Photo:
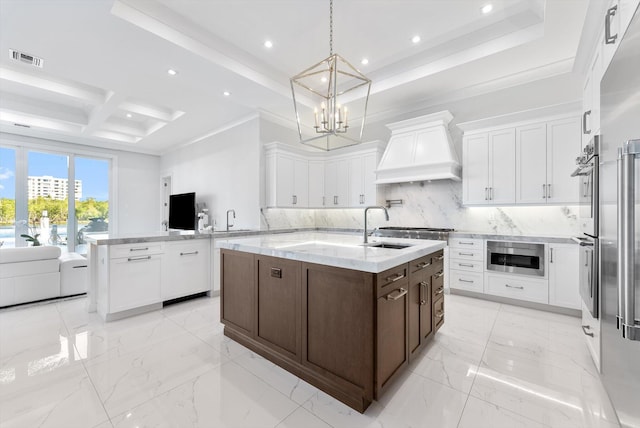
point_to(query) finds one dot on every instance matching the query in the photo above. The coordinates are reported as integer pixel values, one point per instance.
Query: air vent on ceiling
(22, 125)
(26, 58)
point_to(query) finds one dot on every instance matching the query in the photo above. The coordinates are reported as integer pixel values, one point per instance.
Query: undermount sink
(389, 245)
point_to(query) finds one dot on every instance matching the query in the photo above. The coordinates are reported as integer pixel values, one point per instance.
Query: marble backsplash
(435, 204)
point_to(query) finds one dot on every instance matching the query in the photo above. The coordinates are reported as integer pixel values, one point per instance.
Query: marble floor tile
(227, 396)
(339, 415)
(449, 361)
(133, 378)
(532, 400)
(195, 314)
(64, 397)
(302, 418)
(480, 414)
(215, 337)
(290, 385)
(414, 401)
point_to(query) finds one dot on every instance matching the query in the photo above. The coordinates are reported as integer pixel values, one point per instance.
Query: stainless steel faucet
(234, 216)
(386, 214)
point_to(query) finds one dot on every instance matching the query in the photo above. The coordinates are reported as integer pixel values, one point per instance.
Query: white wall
(225, 172)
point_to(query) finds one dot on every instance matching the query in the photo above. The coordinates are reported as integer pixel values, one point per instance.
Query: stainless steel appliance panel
(520, 258)
(620, 113)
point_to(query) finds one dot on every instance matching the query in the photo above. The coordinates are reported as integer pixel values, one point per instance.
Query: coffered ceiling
(104, 78)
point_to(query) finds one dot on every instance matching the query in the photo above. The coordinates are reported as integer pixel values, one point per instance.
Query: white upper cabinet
(336, 183)
(319, 180)
(316, 184)
(475, 171)
(531, 164)
(502, 156)
(488, 168)
(563, 144)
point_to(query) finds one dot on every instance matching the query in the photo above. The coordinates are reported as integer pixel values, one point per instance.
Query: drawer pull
(439, 315)
(423, 265)
(466, 254)
(440, 257)
(395, 278)
(401, 292)
(439, 291)
(423, 284)
(466, 243)
(519, 287)
(139, 249)
(465, 280)
(439, 274)
(465, 264)
(584, 330)
(189, 253)
(133, 259)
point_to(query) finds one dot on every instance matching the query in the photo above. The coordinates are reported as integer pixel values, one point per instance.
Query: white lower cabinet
(564, 285)
(134, 281)
(466, 264)
(132, 276)
(466, 280)
(185, 270)
(517, 287)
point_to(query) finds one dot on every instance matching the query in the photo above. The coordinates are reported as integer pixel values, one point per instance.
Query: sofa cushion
(33, 267)
(25, 254)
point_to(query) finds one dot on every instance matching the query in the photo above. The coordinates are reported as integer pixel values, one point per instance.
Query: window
(7, 197)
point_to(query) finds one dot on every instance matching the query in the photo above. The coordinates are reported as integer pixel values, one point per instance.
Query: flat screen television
(182, 211)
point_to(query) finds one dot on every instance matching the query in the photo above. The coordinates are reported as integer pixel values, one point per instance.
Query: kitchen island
(346, 317)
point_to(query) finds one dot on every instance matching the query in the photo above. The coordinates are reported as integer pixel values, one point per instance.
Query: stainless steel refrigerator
(620, 228)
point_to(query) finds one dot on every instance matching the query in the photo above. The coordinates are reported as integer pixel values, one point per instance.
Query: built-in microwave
(522, 258)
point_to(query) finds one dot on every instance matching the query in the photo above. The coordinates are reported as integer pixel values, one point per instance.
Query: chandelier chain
(330, 27)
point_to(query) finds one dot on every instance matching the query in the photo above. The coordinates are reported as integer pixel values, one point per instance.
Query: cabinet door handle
(134, 259)
(608, 38)
(335, 200)
(491, 193)
(486, 193)
(423, 265)
(548, 191)
(139, 249)
(440, 257)
(519, 287)
(585, 328)
(439, 314)
(439, 274)
(323, 198)
(465, 265)
(465, 280)
(395, 277)
(584, 122)
(439, 291)
(423, 285)
(401, 292)
(550, 255)
(189, 253)
(544, 191)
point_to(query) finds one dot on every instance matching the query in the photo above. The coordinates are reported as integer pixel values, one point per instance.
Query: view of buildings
(52, 187)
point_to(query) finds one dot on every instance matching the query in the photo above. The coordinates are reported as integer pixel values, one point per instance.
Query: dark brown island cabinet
(347, 332)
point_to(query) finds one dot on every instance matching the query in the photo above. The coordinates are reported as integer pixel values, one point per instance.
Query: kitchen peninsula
(345, 317)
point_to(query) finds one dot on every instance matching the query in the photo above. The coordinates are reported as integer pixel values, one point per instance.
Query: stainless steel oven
(520, 258)
(589, 273)
(588, 170)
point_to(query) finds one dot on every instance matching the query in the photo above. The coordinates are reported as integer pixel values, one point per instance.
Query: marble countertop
(105, 239)
(518, 238)
(344, 250)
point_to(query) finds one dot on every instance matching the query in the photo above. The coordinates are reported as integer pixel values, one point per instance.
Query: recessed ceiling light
(172, 72)
(415, 39)
(487, 8)
(129, 115)
(323, 79)
(226, 93)
(364, 61)
(268, 44)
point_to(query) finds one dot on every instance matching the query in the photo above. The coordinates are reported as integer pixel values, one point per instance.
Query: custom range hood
(419, 149)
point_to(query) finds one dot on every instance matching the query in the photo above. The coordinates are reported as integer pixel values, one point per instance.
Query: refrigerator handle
(626, 320)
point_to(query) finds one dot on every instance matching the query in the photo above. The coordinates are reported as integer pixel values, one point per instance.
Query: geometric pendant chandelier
(330, 100)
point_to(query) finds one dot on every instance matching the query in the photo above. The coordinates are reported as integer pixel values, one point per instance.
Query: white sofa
(37, 273)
